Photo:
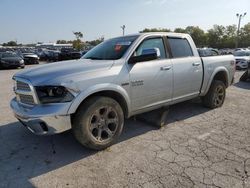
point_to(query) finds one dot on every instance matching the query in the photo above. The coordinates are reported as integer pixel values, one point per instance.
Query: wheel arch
(221, 74)
(115, 92)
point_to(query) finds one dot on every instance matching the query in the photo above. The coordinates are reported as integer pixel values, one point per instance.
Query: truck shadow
(243, 85)
(25, 156)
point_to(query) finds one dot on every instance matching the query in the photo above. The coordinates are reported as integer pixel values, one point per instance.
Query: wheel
(244, 77)
(216, 95)
(98, 123)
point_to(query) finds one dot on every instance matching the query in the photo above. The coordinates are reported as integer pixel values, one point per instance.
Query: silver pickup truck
(117, 79)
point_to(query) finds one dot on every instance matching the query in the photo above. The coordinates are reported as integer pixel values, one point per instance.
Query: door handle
(196, 64)
(166, 68)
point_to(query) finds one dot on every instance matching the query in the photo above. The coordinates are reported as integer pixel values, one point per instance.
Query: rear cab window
(180, 47)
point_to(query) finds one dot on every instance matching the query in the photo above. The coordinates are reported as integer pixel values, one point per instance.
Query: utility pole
(239, 16)
(123, 29)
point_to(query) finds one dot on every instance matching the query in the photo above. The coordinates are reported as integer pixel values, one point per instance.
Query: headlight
(53, 94)
(22, 61)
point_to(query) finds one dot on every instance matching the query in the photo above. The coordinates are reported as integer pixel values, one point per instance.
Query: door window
(180, 47)
(151, 44)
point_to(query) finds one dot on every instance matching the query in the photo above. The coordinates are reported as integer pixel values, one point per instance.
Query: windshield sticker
(118, 47)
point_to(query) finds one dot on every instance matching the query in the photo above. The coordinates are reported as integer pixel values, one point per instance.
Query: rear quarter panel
(213, 65)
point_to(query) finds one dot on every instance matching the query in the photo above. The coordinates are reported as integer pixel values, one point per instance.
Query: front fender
(95, 89)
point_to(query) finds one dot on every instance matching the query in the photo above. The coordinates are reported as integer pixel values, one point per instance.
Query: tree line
(78, 43)
(217, 37)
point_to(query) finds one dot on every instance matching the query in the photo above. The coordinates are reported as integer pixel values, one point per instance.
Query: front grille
(22, 86)
(24, 92)
(26, 99)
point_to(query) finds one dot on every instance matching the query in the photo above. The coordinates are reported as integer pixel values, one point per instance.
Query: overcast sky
(30, 21)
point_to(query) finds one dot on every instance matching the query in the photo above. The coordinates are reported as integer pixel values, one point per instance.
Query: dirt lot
(198, 148)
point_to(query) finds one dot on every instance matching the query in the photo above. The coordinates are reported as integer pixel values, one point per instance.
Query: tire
(98, 123)
(244, 77)
(216, 95)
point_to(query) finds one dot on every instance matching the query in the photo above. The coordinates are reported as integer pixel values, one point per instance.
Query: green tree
(229, 37)
(78, 44)
(180, 30)
(197, 34)
(96, 42)
(10, 43)
(78, 35)
(215, 36)
(61, 42)
(245, 36)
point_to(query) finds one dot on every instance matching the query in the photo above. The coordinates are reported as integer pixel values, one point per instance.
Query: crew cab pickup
(117, 79)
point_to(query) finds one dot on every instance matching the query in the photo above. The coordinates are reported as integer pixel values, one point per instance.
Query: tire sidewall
(84, 117)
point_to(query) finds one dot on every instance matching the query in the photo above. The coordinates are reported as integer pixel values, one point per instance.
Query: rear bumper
(41, 124)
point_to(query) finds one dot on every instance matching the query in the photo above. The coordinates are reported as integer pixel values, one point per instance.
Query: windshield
(9, 55)
(112, 49)
(241, 53)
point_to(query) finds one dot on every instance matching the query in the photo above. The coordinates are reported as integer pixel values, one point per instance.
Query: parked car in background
(30, 58)
(52, 55)
(42, 54)
(84, 52)
(49, 55)
(242, 58)
(11, 60)
(117, 79)
(226, 51)
(246, 75)
(6, 49)
(69, 54)
(205, 52)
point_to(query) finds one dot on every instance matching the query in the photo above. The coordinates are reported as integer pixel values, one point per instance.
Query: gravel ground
(197, 148)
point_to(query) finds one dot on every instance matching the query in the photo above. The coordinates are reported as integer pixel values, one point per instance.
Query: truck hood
(49, 73)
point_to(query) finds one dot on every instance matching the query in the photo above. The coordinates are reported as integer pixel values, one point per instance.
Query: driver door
(151, 81)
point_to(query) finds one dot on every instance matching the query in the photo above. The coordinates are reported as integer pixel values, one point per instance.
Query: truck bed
(213, 64)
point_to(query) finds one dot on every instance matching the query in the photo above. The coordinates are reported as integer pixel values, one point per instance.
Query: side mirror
(147, 55)
(152, 51)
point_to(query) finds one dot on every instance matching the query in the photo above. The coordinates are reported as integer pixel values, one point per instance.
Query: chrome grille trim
(25, 92)
(22, 86)
(26, 99)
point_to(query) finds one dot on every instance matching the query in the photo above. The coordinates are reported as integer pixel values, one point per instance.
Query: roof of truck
(171, 34)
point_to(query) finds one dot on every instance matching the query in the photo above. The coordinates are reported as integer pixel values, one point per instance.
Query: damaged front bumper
(43, 119)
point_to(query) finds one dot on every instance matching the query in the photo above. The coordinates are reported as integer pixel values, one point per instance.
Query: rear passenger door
(187, 69)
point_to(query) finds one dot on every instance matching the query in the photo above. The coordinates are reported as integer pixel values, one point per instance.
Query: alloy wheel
(104, 123)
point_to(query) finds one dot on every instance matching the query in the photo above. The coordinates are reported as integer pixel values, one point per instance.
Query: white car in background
(242, 58)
